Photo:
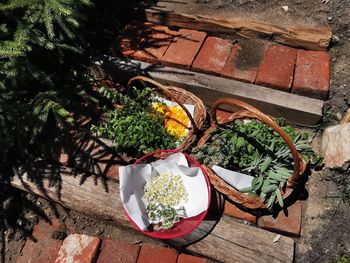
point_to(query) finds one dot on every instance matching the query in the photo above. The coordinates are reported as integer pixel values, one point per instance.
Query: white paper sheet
(134, 177)
(235, 179)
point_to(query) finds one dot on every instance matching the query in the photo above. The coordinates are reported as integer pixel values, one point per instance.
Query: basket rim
(223, 187)
(199, 115)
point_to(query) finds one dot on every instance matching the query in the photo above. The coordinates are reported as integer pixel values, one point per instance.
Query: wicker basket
(249, 112)
(181, 97)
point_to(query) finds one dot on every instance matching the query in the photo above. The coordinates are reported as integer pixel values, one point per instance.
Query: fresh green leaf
(279, 197)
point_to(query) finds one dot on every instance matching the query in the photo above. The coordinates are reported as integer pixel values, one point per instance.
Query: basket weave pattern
(249, 112)
(181, 97)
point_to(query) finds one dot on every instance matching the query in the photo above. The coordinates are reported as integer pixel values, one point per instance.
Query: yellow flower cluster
(176, 120)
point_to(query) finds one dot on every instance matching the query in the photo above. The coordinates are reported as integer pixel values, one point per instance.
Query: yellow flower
(176, 119)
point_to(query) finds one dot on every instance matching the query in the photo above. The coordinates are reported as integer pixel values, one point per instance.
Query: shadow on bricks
(143, 41)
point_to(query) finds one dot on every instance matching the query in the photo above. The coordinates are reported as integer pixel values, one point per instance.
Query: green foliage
(255, 148)
(343, 259)
(39, 44)
(133, 128)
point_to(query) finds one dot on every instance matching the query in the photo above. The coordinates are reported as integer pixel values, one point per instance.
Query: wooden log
(229, 241)
(75, 190)
(190, 16)
(296, 109)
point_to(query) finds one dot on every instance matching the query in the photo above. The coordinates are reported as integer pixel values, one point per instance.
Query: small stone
(335, 146)
(285, 8)
(338, 115)
(335, 39)
(330, 18)
(276, 239)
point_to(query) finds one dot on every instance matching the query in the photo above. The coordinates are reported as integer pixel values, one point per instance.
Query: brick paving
(43, 248)
(81, 248)
(277, 67)
(287, 69)
(233, 71)
(212, 56)
(113, 250)
(288, 221)
(183, 50)
(312, 73)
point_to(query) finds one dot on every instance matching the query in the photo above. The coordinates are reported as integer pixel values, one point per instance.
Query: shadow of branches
(82, 150)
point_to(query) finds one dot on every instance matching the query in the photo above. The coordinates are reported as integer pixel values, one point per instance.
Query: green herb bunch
(255, 148)
(134, 127)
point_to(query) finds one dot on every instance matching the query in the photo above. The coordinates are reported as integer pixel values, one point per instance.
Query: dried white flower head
(163, 193)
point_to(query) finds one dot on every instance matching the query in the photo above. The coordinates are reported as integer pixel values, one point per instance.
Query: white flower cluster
(163, 193)
(166, 189)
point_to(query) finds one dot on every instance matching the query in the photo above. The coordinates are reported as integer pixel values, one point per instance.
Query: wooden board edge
(295, 108)
(313, 38)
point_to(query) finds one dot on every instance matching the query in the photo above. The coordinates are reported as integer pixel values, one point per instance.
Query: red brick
(234, 211)
(233, 70)
(111, 171)
(183, 50)
(157, 254)
(312, 74)
(46, 248)
(277, 67)
(113, 250)
(132, 38)
(286, 222)
(212, 56)
(109, 166)
(78, 249)
(156, 44)
(183, 258)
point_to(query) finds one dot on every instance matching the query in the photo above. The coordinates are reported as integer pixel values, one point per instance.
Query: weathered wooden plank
(190, 15)
(229, 241)
(296, 109)
(255, 246)
(75, 190)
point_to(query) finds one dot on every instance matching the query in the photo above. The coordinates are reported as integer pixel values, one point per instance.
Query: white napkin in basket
(235, 179)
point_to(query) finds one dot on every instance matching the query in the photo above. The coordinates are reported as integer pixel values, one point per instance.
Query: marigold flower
(176, 119)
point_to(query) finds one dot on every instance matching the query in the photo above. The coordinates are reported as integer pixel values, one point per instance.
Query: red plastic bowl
(185, 225)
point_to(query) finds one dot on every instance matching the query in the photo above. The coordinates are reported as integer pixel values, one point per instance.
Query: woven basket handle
(299, 162)
(163, 89)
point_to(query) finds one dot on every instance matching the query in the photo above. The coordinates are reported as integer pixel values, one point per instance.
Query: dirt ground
(325, 234)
